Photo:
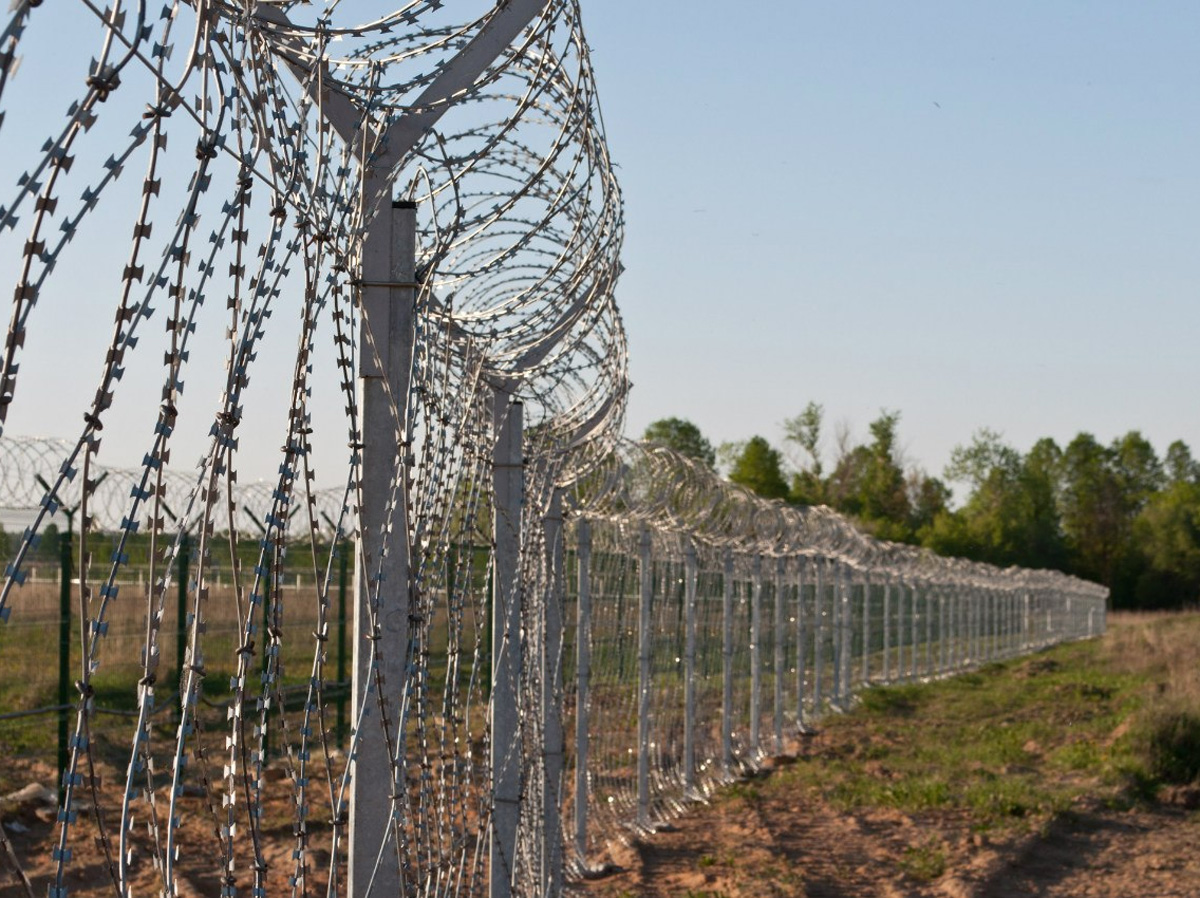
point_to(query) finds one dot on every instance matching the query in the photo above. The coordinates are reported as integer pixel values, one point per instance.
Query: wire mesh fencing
(708, 636)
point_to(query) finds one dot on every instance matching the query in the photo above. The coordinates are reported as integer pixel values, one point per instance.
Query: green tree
(1167, 533)
(759, 468)
(928, 497)
(684, 437)
(1102, 489)
(804, 430)
(1179, 465)
(1010, 516)
(1138, 470)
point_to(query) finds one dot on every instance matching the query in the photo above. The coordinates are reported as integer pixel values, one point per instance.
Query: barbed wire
(654, 485)
(28, 462)
(301, 120)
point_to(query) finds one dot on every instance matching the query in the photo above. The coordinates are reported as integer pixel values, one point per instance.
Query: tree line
(1117, 514)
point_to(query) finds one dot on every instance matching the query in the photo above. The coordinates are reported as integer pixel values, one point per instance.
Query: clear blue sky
(978, 214)
(975, 214)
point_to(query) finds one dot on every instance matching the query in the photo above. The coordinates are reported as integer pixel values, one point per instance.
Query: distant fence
(712, 627)
(723, 657)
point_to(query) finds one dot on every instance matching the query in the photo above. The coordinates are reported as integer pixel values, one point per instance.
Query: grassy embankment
(1014, 746)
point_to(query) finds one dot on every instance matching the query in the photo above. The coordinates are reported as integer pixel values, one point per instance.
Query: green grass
(924, 862)
(1013, 744)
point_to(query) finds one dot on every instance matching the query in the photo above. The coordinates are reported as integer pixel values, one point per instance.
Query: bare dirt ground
(776, 834)
(750, 846)
(31, 829)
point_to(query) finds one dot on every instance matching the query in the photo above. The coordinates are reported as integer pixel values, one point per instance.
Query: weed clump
(1167, 742)
(924, 862)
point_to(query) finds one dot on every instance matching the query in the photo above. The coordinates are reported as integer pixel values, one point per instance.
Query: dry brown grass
(1161, 650)
(1162, 647)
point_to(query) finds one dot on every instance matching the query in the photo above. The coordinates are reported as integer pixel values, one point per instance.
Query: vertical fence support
(780, 592)
(818, 633)
(909, 669)
(583, 673)
(866, 629)
(343, 570)
(552, 701)
(508, 491)
(974, 616)
(727, 668)
(1025, 618)
(801, 564)
(927, 595)
(181, 590)
(1010, 603)
(1014, 625)
(942, 645)
(847, 652)
(835, 608)
(644, 659)
(64, 649)
(987, 627)
(979, 615)
(887, 629)
(689, 672)
(959, 637)
(381, 575)
(756, 658)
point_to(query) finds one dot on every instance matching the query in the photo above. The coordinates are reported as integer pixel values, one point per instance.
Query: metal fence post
(887, 629)
(1025, 634)
(343, 571)
(552, 696)
(847, 636)
(909, 669)
(929, 657)
(64, 650)
(835, 608)
(942, 645)
(727, 668)
(644, 673)
(181, 592)
(508, 491)
(756, 658)
(818, 632)
(780, 591)
(689, 673)
(583, 673)
(801, 564)
(866, 628)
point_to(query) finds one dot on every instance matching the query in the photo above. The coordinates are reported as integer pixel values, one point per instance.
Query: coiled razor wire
(270, 137)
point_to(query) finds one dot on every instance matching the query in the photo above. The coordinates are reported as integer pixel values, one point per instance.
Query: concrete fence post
(583, 673)
(552, 702)
(507, 652)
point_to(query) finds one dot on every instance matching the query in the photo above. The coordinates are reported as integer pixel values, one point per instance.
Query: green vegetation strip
(1013, 745)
